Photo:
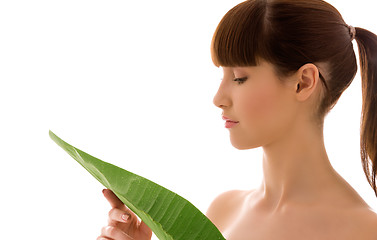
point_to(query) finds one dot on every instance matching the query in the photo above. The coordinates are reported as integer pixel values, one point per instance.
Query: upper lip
(228, 119)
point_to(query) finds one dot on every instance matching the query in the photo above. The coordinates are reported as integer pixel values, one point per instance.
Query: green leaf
(168, 215)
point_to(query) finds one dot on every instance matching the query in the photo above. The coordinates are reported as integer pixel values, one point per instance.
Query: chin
(244, 146)
(245, 141)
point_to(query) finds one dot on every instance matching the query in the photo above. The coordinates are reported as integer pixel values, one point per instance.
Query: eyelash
(240, 80)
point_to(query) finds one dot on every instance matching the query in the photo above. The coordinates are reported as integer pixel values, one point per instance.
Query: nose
(221, 98)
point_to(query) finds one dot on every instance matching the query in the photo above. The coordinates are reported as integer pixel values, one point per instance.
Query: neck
(296, 167)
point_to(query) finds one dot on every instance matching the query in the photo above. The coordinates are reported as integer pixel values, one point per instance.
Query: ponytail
(367, 45)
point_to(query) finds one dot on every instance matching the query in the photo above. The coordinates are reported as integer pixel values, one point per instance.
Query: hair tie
(352, 31)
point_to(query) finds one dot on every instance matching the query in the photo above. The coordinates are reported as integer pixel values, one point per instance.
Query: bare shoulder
(364, 224)
(369, 219)
(225, 205)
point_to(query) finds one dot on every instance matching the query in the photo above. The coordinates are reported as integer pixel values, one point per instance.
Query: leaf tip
(52, 135)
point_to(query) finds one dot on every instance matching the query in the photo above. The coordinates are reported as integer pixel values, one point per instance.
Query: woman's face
(263, 107)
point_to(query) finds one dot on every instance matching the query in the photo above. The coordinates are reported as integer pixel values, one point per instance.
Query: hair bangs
(238, 39)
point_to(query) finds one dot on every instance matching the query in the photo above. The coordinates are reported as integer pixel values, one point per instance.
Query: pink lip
(228, 119)
(229, 123)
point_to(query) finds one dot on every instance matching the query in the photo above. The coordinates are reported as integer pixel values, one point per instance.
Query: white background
(132, 83)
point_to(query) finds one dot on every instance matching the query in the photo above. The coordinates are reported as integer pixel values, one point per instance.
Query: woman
(285, 64)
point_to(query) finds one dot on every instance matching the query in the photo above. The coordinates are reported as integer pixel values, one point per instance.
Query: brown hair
(291, 33)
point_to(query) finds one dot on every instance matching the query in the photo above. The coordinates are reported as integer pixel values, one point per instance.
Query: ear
(307, 81)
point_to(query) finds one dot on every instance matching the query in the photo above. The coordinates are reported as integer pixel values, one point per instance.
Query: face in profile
(264, 108)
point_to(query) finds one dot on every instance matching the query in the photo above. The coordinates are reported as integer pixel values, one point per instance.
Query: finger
(127, 221)
(103, 238)
(145, 229)
(114, 233)
(114, 201)
(115, 214)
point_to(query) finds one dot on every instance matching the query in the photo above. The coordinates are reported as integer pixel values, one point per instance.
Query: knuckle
(109, 230)
(111, 212)
(103, 230)
(116, 214)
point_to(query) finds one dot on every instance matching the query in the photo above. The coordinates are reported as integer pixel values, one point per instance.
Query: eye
(240, 80)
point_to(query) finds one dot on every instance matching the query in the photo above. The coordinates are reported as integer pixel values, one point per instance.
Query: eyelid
(240, 79)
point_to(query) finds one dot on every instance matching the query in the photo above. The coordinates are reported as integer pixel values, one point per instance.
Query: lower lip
(230, 124)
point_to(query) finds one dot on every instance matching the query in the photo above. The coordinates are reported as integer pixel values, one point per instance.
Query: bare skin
(301, 195)
(239, 215)
(123, 224)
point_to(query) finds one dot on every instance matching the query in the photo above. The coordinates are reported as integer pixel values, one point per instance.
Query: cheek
(260, 106)
(268, 115)
(257, 114)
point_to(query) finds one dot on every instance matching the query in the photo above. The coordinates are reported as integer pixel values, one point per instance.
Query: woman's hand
(123, 223)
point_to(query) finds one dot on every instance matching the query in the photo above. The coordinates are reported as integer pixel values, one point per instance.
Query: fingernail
(125, 217)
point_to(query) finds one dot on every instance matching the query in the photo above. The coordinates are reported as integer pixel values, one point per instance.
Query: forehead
(262, 67)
